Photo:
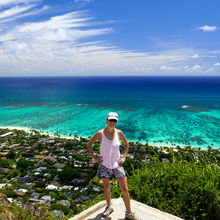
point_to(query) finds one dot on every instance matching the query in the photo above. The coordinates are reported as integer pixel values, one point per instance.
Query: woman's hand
(98, 159)
(121, 161)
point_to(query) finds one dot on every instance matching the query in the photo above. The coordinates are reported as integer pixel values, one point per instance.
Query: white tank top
(109, 150)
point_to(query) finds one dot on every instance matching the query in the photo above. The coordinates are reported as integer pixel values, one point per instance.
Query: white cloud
(163, 67)
(26, 14)
(208, 28)
(196, 56)
(16, 2)
(66, 44)
(187, 69)
(67, 21)
(196, 67)
(217, 64)
(15, 10)
(209, 70)
(81, 1)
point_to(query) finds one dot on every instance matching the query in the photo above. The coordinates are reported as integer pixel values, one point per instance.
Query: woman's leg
(107, 192)
(124, 188)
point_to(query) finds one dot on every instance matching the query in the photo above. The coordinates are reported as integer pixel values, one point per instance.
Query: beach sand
(157, 144)
(29, 130)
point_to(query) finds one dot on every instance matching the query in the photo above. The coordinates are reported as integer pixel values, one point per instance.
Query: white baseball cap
(112, 115)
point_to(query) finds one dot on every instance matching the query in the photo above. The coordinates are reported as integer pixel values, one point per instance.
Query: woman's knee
(123, 185)
(124, 189)
(106, 184)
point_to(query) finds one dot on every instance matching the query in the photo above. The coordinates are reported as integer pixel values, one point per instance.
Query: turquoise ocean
(151, 109)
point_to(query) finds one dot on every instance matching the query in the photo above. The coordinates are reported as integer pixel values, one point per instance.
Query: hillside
(5, 214)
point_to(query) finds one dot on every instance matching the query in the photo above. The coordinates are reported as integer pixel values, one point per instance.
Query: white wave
(186, 106)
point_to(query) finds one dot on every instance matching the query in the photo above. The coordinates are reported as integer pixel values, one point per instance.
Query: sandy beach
(29, 130)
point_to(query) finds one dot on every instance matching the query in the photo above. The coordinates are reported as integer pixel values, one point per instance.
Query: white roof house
(10, 200)
(7, 134)
(47, 174)
(39, 169)
(66, 187)
(22, 190)
(62, 158)
(51, 187)
(130, 156)
(96, 189)
(4, 184)
(46, 198)
(165, 152)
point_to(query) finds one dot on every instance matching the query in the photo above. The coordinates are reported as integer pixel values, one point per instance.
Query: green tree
(6, 163)
(23, 164)
(10, 193)
(60, 207)
(68, 174)
(11, 155)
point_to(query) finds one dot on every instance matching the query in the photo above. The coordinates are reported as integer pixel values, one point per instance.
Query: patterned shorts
(104, 172)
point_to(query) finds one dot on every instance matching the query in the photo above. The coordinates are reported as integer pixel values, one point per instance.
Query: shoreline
(29, 130)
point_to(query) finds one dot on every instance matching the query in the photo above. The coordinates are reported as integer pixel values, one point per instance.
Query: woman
(110, 163)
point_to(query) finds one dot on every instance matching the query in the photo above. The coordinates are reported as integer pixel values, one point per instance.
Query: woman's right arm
(91, 142)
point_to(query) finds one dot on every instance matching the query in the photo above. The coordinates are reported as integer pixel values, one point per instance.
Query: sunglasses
(112, 120)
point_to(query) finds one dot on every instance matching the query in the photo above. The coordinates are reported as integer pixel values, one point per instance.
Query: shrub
(186, 189)
(60, 207)
(10, 193)
(40, 185)
(68, 174)
(6, 163)
(11, 155)
(22, 163)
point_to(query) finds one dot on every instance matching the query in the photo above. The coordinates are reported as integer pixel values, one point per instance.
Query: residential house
(58, 214)
(65, 187)
(59, 165)
(28, 154)
(5, 170)
(82, 198)
(35, 195)
(51, 187)
(64, 202)
(6, 135)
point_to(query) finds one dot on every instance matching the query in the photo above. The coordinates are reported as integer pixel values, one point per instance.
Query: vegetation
(59, 207)
(23, 164)
(186, 189)
(181, 181)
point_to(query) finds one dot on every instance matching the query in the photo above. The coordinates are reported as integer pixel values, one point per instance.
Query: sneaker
(131, 216)
(107, 212)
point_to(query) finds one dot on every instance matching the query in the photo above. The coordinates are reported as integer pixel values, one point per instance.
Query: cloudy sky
(109, 37)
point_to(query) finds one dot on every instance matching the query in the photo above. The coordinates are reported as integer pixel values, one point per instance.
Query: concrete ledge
(144, 212)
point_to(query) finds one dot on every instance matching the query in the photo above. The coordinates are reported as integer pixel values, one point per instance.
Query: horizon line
(50, 76)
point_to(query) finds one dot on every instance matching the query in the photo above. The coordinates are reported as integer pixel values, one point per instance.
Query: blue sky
(109, 37)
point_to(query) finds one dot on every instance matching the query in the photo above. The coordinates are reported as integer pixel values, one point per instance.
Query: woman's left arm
(126, 144)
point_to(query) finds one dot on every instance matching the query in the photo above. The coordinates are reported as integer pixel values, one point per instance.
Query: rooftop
(143, 212)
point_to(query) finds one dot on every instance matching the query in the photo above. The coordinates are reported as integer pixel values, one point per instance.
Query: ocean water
(151, 109)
